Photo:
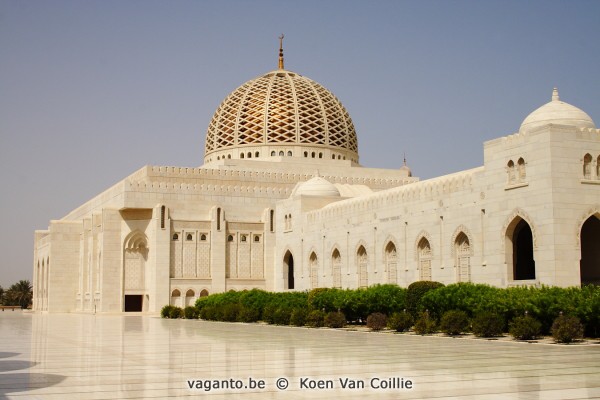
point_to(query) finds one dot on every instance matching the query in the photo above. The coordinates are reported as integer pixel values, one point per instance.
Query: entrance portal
(523, 262)
(590, 252)
(288, 271)
(133, 302)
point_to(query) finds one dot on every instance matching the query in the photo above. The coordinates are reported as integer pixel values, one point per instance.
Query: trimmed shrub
(165, 312)
(190, 312)
(315, 319)
(335, 319)
(376, 321)
(229, 312)
(566, 328)
(282, 316)
(298, 317)
(175, 312)
(525, 328)
(416, 291)
(487, 325)
(454, 322)
(400, 321)
(268, 314)
(248, 314)
(425, 324)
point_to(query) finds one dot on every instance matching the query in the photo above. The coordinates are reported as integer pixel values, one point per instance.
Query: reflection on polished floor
(77, 356)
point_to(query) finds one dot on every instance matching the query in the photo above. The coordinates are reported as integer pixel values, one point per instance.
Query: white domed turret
(556, 112)
(317, 186)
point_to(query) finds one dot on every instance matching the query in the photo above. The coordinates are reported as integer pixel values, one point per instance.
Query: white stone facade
(296, 220)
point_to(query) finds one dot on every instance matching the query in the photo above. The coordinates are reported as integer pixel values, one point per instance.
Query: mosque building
(282, 203)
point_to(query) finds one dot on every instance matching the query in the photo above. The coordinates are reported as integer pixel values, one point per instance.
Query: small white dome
(317, 186)
(556, 112)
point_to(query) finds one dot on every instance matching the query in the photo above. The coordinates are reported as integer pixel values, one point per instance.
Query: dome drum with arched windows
(281, 114)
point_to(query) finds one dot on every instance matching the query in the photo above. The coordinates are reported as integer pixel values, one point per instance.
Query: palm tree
(21, 293)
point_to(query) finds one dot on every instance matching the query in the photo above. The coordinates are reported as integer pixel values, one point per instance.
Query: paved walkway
(75, 356)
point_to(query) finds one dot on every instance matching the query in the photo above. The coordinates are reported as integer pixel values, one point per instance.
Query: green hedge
(542, 303)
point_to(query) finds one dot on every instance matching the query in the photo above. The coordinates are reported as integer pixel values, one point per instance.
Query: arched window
(314, 270)
(189, 297)
(333, 156)
(273, 153)
(189, 237)
(510, 168)
(257, 238)
(361, 261)
(272, 220)
(204, 293)
(462, 249)
(306, 154)
(230, 238)
(587, 166)
(229, 156)
(425, 255)
(281, 153)
(249, 154)
(175, 236)
(312, 155)
(521, 168)
(203, 237)
(242, 155)
(289, 153)
(162, 217)
(218, 158)
(176, 298)
(286, 226)
(243, 238)
(340, 157)
(320, 155)
(336, 268)
(391, 262)
(288, 270)
(257, 154)
(219, 219)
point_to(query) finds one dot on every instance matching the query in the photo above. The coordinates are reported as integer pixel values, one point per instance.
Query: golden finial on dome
(281, 51)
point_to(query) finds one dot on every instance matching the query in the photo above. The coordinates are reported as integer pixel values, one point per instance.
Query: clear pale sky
(91, 91)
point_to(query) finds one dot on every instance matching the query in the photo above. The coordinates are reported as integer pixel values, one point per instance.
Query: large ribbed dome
(281, 114)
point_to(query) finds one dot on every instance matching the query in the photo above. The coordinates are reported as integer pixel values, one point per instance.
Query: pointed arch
(288, 270)
(362, 262)
(462, 257)
(391, 261)
(589, 241)
(464, 230)
(420, 236)
(587, 166)
(313, 262)
(519, 250)
(336, 267)
(518, 212)
(190, 297)
(425, 255)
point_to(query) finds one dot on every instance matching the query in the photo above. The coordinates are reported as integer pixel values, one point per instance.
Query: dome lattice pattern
(278, 108)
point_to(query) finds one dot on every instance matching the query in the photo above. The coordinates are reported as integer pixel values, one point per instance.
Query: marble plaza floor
(77, 356)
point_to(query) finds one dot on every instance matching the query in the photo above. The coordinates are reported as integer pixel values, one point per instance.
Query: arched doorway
(590, 251)
(391, 262)
(314, 270)
(134, 271)
(520, 250)
(288, 271)
(462, 248)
